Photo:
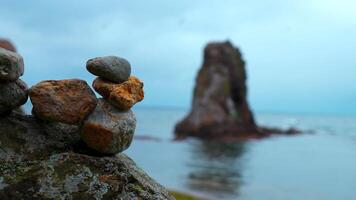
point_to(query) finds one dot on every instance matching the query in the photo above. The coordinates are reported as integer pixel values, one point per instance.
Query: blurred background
(301, 63)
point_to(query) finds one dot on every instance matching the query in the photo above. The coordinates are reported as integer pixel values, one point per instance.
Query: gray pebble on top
(112, 68)
(11, 65)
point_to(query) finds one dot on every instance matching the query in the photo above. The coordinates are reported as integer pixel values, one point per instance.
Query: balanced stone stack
(106, 125)
(110, 128)
(13, 91)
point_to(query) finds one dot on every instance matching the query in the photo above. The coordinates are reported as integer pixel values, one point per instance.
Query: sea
(319, 164)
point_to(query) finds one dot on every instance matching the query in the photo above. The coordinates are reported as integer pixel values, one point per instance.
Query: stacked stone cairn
(106, 125)
(13, 91)
(110, 128)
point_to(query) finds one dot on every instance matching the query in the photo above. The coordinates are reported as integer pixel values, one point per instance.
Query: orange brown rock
(107, 129)
(124, 95)
(67, 101)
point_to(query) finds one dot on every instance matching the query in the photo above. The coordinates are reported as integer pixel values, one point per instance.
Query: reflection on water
(318, 166)
(215, 167)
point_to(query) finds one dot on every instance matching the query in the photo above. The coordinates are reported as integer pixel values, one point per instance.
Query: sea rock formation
(67, 101)
(109, 130)
(220, 104)
(41, 163)
(124, 95)
(220, 108)
(112, 68)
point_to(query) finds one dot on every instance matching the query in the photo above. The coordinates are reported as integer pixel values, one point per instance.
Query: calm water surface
(321, 165)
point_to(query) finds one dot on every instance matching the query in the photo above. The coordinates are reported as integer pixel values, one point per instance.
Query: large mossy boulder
(47, 161)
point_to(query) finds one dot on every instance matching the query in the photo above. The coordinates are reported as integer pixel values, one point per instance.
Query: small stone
(109, 130)
(123, 96)
(11, 65)
(12, 95)
(112, 68)
(66, 101)
(6, 44)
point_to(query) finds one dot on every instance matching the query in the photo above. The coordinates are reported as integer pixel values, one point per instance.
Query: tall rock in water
(220, 107)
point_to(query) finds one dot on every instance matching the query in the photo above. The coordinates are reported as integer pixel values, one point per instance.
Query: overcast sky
(301, 55)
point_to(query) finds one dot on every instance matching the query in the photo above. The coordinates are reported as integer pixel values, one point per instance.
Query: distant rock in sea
(220, 108)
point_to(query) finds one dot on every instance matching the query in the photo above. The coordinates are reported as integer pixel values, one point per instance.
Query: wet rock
(11, 65)
(112, 68)
(34, 164)
(108, 130)
(123, 96)
(66, 101)
(6, 44)
(220, 104)
(12, 95)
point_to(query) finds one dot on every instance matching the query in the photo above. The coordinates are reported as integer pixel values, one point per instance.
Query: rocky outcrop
(220, 104)
(43, 161)
(220, 108)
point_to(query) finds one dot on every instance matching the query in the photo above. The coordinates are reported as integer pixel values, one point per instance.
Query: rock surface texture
(67, 101)
(109, 130)
(220, 104)
(12, 95)
(123, 96)
(37, 164)
(112, 68)
(11, 65)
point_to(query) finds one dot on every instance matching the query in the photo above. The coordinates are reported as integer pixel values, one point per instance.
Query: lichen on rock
(59, 169)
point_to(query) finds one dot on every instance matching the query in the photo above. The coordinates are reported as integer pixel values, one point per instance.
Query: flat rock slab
(11, 65)
(123, 96)
(67, 101)
(109, 130)
(12, 95)
(112, 68)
